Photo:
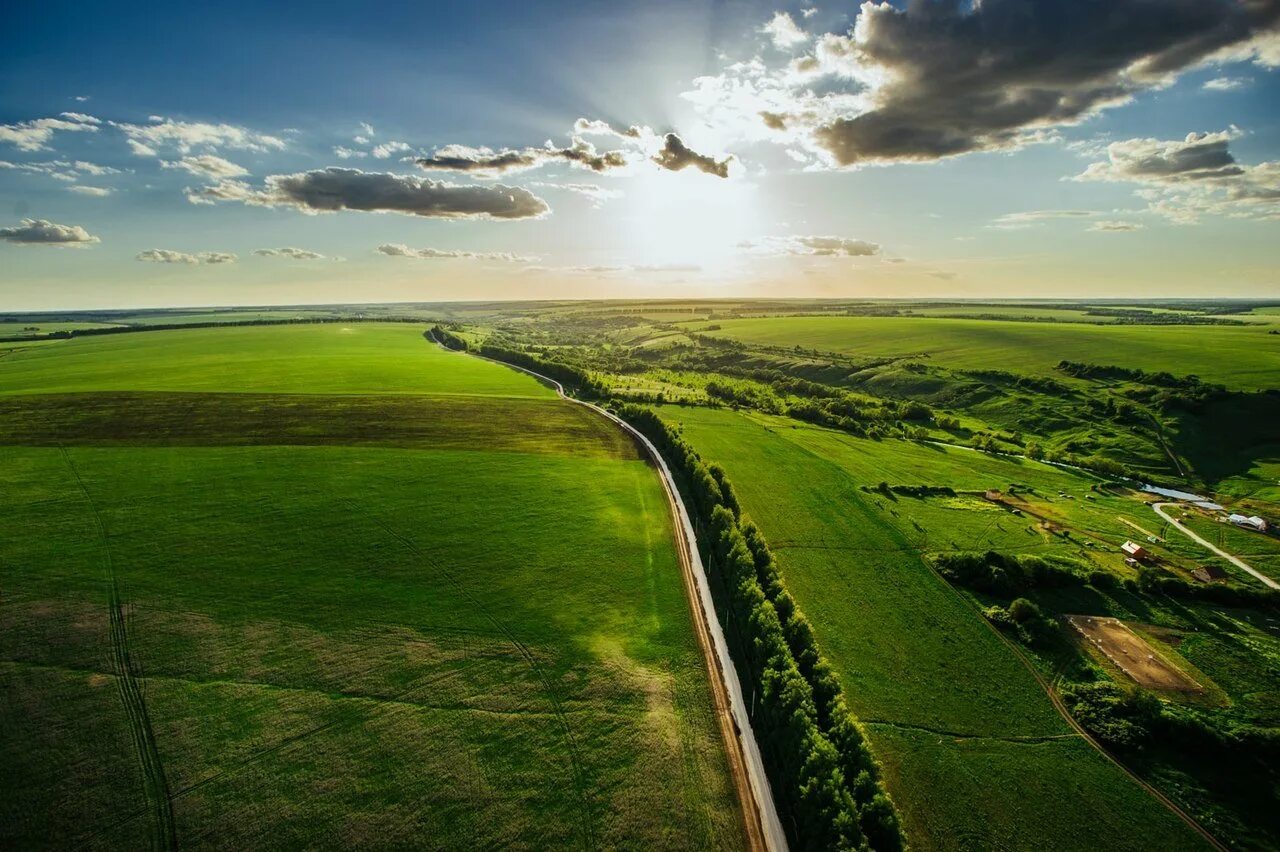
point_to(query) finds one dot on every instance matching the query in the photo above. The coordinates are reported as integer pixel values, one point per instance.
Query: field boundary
(760, 816)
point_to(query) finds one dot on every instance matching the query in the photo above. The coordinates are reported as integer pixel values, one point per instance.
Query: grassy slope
(1243, 358)
(336, 359)
(974, 753)
(487, 644)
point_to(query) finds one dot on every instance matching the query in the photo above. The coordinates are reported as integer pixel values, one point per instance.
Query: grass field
(1246, 358)
(392, 597)
(974, 753)
(368, 358)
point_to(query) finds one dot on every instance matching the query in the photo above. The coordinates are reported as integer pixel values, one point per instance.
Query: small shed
(1135, 551)
(1209, 573)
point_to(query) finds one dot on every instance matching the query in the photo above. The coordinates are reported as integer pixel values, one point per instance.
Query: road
(763, 827)
(1234, 560)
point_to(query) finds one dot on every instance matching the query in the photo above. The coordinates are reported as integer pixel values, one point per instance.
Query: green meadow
(1244, 358)
(975, 755)
(323, 586)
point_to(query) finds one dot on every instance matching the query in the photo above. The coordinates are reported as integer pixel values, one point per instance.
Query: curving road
(764, 828)
(1234, 560)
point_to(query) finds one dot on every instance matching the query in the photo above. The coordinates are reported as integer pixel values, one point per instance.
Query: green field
(1239, 357)
(974, 753)
(287, 587)
(360, 358)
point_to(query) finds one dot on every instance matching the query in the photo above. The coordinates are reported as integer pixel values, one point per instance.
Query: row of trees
(575, 380)
(823, 776)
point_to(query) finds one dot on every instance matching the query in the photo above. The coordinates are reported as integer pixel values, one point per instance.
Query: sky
(258, 154)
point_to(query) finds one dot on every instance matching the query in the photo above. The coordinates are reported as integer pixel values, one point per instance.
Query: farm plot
(235, 637)
(975, 755)
(1132, 654)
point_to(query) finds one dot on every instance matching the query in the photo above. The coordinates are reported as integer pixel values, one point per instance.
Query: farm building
(1135, 551)
(1209, 573)
(1251, 521)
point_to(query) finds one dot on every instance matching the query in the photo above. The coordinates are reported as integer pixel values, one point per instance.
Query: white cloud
(44, 232)
(401, 250)
(386, 149)
(783, 32)
(1114, 226)
(1028, 218)
(345, 153)
(293, 253)
(813, 246)
(170, 256)
(34, 135)
(1224, 84)
(183, 136)
(207, 165)
(93, 191)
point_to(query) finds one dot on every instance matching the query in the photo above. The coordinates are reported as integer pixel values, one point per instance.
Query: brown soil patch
(1133, 655)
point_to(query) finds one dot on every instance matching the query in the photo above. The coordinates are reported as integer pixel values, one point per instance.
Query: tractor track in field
(548, 688)
(164, 835)
(761, 823)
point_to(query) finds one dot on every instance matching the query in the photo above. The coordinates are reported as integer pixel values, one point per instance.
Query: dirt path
(1234, 560)
(155, 785)
(760, 816)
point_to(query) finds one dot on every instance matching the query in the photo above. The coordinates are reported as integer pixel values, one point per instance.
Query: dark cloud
(962, 76)
(43, 232)
(773, 120)
(458, 158)
(675, 156)
(333, 189)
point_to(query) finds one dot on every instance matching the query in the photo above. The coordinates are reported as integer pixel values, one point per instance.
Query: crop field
(323, 586)
(974, 752)
(360, 358)
(1245, 358)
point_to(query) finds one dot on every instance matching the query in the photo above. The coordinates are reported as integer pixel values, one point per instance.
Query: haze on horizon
(173, 156)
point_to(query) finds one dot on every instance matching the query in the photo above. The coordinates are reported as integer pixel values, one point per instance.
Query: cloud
(784, 33)
(207, 165)
(952, 77)
(1200, 156)
(401, 250)
(64, 170)
(597, 194)
(1028, 218)
(333, 189)
(349, 153)
(43, 232)
(675, 156)
(1112, 226)
(93, 191)
(294, 253)
(1224, 84)
(183, 136)
(1187, 178)
(170, 256)
(386, 149)
(34, 135)
(814, 246)
(461, 158)
(367, 129)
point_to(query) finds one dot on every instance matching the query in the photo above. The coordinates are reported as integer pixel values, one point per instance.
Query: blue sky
(818, 150)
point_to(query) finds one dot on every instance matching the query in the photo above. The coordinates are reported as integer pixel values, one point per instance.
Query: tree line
(822, 773)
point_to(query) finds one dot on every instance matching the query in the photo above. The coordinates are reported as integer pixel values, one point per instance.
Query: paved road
(764, 828)
(1234, 560)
